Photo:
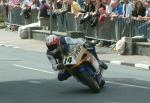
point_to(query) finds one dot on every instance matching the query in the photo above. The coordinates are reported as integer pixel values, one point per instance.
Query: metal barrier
(34, 16)
(144, 29)
(104, 30)
(14, 17)
(3, 12)
(130, 28)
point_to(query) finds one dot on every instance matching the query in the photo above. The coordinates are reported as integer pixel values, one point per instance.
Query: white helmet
(52, 42)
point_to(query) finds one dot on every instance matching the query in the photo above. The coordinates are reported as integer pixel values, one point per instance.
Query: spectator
(100, 10)
(110, 5)
(127, 9)
(59, 4)
(125, 19)
(43, 9)
(63, 10)
(27, 6)
(147, 16)
(25, 2)
(118, 11)
(80, 2)
(139, 10)
(133, 3)
(95, 13)
(34, 4)
(102, 13)
(16, 2)
(66, 7)
(89, 13)
(143, 29)
(88, 6)
(100, 4)
(62, 6)
(148, 10)
(75, 7)
(26, 9)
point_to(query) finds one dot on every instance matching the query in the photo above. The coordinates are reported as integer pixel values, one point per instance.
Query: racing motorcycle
(82, 65)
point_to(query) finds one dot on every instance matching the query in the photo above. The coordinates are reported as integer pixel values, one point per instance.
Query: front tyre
(102, 83)
(100, 80)
(90, 81)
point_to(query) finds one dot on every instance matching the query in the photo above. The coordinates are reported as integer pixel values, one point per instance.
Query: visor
(52, 47)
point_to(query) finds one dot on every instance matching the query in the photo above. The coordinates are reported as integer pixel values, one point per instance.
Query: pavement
(142, 62)
(12, 40)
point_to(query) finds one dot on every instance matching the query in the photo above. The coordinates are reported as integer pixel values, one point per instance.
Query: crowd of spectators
(87, 10)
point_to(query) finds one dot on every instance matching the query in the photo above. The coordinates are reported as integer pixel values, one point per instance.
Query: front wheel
(100, 80)
(90, 81)
(102, 83)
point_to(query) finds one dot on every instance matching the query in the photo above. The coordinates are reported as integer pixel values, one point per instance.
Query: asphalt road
(27, 77)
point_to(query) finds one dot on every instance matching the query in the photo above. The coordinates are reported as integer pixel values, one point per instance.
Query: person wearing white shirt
(127, 8)
(26, 2)
(109, 6)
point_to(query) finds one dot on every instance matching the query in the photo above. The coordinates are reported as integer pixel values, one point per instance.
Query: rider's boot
(102, 65)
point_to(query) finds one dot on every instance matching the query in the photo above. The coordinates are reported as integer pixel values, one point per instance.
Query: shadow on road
(53, 91)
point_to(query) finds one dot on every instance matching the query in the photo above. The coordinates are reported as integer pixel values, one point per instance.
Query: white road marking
(116, 62)
(29, 68)
(35, 82)
(8, 45)
(116, 83)
(5, 45)
(16, 47)
(1, 44)
(129, 85)
(145, 66)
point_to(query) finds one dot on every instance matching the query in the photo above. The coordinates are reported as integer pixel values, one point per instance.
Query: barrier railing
(129, 27)
(14, 16)
(103, 30)
(106, 30)
(2, 13)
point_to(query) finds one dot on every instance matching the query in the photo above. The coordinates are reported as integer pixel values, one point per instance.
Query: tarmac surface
(11, 39)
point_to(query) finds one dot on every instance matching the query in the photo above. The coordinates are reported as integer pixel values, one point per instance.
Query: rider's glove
(60, 66)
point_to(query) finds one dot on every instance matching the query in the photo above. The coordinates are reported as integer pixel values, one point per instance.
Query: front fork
(99, 78)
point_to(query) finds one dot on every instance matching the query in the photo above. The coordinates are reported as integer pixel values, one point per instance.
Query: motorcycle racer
(59, 46)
